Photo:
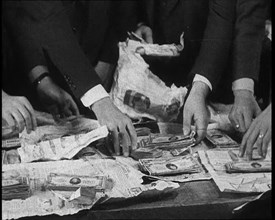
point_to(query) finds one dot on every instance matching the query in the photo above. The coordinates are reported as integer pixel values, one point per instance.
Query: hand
(119, 125)
(145, 33)
(258, 135)
(58, 102)
(245, 108)
(18, 112)
(195, 109)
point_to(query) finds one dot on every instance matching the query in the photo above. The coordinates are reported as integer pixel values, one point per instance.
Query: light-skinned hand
(245, 108)
(57, 101)
(122, 131)
(18, 112)
(195, 110)
(258, 135)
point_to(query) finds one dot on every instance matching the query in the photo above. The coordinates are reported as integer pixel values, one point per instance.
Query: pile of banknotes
(15, 188)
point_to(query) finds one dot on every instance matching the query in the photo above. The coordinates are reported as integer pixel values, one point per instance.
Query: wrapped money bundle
(248, 167)
(63, 182)
(170, 166)
(15, 188)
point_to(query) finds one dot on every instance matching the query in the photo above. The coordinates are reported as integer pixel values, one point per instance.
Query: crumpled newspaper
(137, 92)
(62, 141)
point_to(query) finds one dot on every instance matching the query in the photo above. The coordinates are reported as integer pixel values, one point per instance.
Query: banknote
(65, 182)
(182, 151)
(248, 167)
(170, 166)
(220, 139)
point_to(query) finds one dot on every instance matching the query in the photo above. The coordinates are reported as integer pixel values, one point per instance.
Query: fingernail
(126, 154)
(117, 154)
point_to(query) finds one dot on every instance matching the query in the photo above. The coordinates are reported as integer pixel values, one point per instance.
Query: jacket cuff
(93, 95)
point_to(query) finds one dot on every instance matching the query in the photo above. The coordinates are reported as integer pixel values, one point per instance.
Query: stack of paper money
(63, 182)
(248, 166)
(170, 166)
(220, 139)
(15, 188)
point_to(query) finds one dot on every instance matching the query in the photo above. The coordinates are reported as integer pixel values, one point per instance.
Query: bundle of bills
(248, 167)
(15, 188)
(64, 182)
(169, 166)
(219, 139)
(168, 141)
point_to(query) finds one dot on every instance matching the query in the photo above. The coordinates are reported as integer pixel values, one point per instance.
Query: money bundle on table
(64, 182)
(248, 166)
(15, 188)
(170, 166)
(220, 139)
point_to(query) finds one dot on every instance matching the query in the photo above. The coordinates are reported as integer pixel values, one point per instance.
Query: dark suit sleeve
(16, 20)
(49, 26)
(217, 41)
(249, 35)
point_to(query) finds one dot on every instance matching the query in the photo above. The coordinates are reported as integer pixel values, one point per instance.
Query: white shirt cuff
(93, 95)
(201, 78)
(243, 84)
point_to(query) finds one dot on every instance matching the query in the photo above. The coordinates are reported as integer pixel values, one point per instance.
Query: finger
(125, 141)
(133, 135)
(67, 112)
(233, 119)
(26, 117)
(149, 37)
(258, 145)
(201, 127)
(250, 143)
(240, 122)
(265, 143)
(187, 118)
(55, 113)
(9, 119)
(115, 138)
(247, 120)
(19, 120)
(245, 139)
(73, 107)
(30, 109)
